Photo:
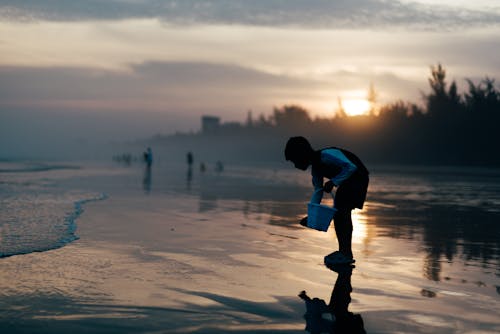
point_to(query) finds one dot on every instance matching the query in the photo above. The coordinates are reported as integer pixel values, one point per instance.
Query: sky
(95, 70)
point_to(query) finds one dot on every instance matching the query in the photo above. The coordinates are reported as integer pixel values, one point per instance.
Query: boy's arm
(337, 158)
(317, 181)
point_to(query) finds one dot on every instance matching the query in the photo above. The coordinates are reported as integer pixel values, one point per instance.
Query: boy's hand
(328, 187)
(303, 221)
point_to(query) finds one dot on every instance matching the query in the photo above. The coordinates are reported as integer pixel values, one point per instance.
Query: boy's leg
(343, 229)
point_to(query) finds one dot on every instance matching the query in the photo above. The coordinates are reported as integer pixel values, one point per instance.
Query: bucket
(319, 216)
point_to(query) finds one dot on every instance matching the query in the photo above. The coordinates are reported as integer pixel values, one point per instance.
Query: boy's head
(299, 151)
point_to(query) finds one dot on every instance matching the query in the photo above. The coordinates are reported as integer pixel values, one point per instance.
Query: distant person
(190, 161)
(219, 166)
(148, 157)
(203, 168)
(343, 170)
(340, 320)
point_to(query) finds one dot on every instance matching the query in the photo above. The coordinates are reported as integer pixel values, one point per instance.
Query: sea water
(37, 213)
(454, 208)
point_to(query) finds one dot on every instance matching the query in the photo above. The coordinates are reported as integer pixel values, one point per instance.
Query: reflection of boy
(315, 309)
(334, 317)
(344, 170)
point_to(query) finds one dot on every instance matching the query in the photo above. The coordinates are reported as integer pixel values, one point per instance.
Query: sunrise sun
(356, 107)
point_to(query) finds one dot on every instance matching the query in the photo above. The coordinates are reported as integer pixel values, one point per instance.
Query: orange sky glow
(181, 59)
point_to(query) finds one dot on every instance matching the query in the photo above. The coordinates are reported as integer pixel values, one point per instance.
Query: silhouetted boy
(343, 170)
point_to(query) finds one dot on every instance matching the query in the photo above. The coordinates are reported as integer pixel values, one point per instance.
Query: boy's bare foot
(338, 258)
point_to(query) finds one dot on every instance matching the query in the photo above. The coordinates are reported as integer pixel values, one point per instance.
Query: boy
(343, 170)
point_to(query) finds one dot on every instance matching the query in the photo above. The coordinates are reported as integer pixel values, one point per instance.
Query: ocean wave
(19, 235)
(70, 219)
(17, 167)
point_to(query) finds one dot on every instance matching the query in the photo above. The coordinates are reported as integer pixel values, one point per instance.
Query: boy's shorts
(352, 192)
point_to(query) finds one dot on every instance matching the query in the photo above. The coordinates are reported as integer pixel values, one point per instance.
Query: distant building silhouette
(209, 124)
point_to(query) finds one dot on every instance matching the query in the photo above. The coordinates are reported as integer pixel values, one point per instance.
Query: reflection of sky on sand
(169, 262)
(219, 280)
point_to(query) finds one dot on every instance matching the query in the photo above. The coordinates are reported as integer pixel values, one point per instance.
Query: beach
(173, 250)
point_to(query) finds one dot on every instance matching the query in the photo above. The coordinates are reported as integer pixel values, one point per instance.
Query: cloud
(54, 111)
(186, 90)
(167, 86)
(340, 14)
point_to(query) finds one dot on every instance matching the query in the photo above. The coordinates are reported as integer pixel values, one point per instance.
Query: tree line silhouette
(449, 129)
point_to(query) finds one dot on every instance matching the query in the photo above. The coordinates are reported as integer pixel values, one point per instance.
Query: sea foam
(37, 213)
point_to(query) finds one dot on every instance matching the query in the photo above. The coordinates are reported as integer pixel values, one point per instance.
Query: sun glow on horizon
(356, 107)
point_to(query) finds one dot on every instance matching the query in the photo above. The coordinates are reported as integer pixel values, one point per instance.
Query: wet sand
(217, 254)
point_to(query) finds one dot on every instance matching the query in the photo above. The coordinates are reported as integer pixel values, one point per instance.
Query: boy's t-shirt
(333, 164)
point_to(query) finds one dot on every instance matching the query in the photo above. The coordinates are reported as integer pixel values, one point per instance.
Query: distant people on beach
(125, 158)
(334, 317)
(203, 168)
(344, 171)
(148, 157)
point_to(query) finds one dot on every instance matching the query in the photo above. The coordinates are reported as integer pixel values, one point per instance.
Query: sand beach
(177, 251)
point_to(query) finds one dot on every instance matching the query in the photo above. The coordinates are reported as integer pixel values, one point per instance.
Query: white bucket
(319, 216)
